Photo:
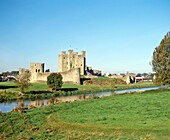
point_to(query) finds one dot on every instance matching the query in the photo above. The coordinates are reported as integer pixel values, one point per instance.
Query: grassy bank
(9, 90)
(129, 116)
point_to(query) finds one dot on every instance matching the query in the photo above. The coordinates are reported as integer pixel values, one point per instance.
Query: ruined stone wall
(71, 76)
(72, 60)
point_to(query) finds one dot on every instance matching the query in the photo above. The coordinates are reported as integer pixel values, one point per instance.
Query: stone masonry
(38, 74)
(72, 60)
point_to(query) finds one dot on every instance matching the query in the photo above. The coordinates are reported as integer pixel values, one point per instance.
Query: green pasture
(11, 86)
(138, 116)
(9, 90)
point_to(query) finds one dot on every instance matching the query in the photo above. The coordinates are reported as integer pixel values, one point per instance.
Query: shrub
(23, 81)
(54, 81)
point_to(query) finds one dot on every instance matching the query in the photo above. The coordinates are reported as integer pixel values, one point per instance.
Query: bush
(23, 81)
(54, 81)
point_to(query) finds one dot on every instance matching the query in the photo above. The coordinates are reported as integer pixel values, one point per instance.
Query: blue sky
(118, 35)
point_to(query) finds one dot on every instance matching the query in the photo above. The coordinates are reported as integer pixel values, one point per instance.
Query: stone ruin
(71, 66)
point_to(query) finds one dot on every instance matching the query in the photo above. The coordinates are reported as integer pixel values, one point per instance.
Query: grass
(34, 86)
(9, 90)
(10, 86)
(129, 116)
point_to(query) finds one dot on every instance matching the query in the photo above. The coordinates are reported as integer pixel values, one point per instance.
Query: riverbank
(131, 116)
(27, 104)
(10, 92)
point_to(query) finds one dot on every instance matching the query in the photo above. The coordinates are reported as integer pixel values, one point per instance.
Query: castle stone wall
(72, 60)
(71, 76)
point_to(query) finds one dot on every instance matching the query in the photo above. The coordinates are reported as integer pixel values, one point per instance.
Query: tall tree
(23, 81)
(161, 61)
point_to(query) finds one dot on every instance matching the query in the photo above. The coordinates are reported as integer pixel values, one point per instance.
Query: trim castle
(72, 60)
(70, 66)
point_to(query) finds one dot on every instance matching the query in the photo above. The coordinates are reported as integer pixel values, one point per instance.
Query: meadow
(129, 116)
(9, 90)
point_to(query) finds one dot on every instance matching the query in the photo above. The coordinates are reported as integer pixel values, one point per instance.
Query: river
(8, 106)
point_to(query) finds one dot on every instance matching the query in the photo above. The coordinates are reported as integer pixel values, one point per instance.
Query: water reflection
(9, 106)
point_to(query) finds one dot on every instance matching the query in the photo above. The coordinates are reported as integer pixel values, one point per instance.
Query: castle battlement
(62, 53)
(37, 67)
(71, 60)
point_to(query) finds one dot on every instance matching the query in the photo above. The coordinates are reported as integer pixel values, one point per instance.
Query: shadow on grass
(47, 91)
(7, 87)
(38, 92)
(83, 79)
(67, 89)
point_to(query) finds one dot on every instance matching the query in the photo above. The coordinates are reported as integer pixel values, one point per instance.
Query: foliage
(9, 73)
(161, 62)
(137, 116)
(54, 81)
(23, 81)
(104, 81)
(110, 74)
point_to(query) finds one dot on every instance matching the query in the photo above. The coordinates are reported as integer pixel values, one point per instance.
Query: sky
(117, 35)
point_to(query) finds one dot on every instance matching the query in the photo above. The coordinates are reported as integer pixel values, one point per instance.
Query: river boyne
(9, 106)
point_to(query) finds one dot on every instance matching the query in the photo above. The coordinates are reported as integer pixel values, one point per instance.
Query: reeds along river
(9, 106)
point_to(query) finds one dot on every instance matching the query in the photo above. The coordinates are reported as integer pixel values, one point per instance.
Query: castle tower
(72, 60)
(36, 68)
(62, 59)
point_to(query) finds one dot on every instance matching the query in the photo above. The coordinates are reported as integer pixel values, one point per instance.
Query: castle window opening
(35, 70)
(64, 57)
(39, 70)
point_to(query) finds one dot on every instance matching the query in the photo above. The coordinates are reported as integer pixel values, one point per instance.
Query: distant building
(139, 78)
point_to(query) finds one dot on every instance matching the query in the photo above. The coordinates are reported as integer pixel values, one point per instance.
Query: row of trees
(9, 73)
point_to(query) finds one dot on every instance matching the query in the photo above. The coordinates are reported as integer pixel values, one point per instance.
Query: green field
(130, 116)
(9, 90)
(11, 86)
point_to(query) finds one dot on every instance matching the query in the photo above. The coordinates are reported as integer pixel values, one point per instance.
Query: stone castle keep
(70, 66)
(72, 60)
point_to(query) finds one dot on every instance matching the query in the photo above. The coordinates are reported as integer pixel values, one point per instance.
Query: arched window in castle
(70, 65)
(35, 70)
(38, 70)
